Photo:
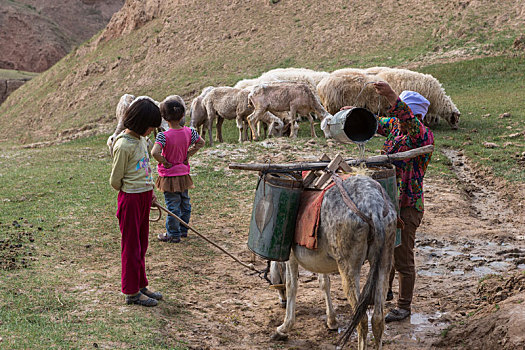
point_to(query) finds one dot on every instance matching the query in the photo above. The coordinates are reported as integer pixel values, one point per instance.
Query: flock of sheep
(273, 102)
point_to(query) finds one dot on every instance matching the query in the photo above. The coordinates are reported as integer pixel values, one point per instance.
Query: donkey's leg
(277, 276)
(349, 272)
(378, 318)
(292, 270)
(324, 284)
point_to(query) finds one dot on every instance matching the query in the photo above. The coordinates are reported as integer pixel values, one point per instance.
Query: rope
(248, 266)
(360, 92)
(362, 89)
(160, 214)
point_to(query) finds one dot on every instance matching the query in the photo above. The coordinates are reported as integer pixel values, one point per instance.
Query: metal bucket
(353, 125)
(274, 214)
(386, 176)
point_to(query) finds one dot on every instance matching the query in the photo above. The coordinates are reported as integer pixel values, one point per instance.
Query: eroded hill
(158, 48)
(37, 33)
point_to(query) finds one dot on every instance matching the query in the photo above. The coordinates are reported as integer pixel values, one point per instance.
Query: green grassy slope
(190, 45)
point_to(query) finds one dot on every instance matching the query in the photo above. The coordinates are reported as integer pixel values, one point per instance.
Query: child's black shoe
(136, 299)
(149, 293)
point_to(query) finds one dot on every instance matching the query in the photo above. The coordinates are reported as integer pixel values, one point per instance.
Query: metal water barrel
(386, 176)
(274, 214)
(353, 125)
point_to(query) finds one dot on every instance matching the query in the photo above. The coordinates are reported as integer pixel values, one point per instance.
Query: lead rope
(248, 266)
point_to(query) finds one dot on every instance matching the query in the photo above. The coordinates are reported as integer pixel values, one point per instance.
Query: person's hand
(167, 165)
(346, 107)
(153, 200)
(185, 161)
(384, 89)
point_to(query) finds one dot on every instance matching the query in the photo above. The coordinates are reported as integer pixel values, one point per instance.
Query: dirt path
(468, 232)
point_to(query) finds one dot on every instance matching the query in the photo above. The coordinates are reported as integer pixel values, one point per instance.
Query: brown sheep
(276, 97)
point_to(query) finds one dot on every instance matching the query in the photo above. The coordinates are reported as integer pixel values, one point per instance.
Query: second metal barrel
(274, 214)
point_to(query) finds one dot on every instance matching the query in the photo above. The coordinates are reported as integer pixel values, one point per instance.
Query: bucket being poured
(353, 125)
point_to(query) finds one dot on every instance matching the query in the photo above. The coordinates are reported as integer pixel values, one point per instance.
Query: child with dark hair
(172, 149)
(131, 176)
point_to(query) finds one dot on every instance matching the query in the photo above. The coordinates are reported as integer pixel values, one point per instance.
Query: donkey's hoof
(279, 337)
(332, 327)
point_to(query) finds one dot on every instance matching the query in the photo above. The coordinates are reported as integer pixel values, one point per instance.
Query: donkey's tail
(367, 295)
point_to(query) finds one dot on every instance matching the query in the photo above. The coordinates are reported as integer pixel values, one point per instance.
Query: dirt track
(468, 232)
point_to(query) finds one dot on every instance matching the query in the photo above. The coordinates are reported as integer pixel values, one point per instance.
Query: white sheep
(246, 83)
(125, 101)
(164, 124)
(198, 114)
(225, 102)
(293, 97)
(304, 75)
(441, 105)
(122, 106)
(350, 87)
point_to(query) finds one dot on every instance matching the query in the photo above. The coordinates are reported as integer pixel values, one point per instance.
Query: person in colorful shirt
(131, 175)
(172, 149)
(404, 130)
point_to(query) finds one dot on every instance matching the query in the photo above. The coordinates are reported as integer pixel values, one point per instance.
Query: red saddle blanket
(308, 216)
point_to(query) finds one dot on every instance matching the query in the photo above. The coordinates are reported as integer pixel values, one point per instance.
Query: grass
(16, 74)
(65, 293)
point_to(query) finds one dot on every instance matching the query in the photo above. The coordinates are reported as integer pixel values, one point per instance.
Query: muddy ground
(470, 233)
(470, 260)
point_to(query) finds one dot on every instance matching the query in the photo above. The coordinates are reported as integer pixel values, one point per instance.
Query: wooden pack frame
(320, 179)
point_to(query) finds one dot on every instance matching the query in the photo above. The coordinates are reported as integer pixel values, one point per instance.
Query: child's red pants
(133, 215)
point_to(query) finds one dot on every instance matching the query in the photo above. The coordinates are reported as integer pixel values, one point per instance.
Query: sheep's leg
(220, 120)
(252, 121)
(294, 129)
(247, 132)
(271, 129)
(312, 127)
(202, 132)
(211, 117)
(293, 113)
(240, 125)
(261, 126)
(324, 284)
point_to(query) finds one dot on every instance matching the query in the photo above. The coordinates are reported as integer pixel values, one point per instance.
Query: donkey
(343, 244)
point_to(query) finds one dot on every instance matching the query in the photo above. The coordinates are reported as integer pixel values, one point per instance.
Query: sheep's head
(325, 127)
(276, 129)
(453, 120)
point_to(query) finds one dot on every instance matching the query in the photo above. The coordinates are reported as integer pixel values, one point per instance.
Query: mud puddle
(467, 257)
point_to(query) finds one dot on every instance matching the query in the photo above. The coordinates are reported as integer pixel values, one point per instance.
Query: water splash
(361, 147)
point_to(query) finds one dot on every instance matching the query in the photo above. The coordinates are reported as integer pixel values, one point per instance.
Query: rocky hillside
(160, 47)
(38, 33)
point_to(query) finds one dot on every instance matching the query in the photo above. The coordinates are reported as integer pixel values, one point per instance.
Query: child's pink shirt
(175, 144)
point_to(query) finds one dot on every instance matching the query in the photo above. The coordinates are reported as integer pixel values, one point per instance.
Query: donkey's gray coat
(343, 247)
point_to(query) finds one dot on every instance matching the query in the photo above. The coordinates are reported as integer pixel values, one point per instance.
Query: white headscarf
(417, 103)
